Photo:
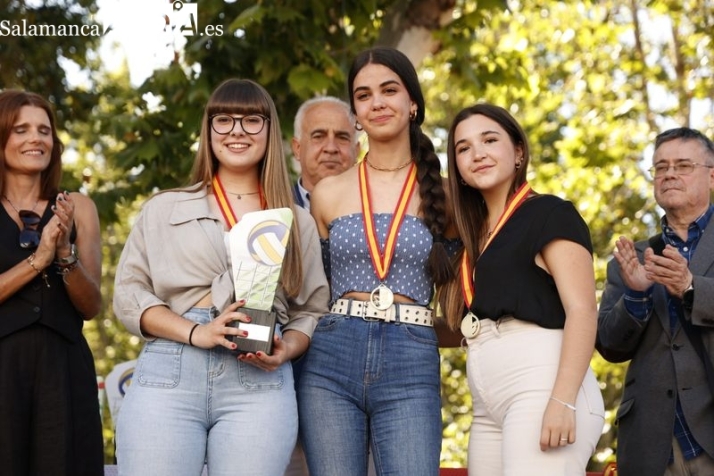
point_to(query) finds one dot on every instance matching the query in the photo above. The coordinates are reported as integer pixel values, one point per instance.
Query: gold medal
(382, 297)
(470, 325)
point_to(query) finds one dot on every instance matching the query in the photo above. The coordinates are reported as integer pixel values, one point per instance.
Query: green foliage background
(592, 82)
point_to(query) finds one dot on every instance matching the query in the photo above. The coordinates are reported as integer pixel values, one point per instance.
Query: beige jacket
(176, 254)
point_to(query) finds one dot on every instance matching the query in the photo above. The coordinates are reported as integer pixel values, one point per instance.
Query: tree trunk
(408, 26)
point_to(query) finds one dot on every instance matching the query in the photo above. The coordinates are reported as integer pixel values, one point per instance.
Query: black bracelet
(190, 334)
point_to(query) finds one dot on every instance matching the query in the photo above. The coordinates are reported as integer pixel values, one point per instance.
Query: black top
(35, 302)
(508, 281)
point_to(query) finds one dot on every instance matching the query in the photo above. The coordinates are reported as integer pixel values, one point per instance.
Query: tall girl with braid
(371, 376)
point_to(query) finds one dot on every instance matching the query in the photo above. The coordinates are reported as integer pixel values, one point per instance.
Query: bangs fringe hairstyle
(243, 96)
(470, 212)
(432, 196)
(11, 101)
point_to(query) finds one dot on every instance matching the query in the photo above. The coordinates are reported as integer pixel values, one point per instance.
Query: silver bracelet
(68, 260)
(567, 405)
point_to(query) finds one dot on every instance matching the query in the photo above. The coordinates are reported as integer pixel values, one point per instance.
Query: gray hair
(686, 133)
(310, 103)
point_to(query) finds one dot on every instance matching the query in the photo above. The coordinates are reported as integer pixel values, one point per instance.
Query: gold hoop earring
(358, 126)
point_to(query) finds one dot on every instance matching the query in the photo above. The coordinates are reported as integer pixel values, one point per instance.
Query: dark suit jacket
(299, 201)
(662, 366)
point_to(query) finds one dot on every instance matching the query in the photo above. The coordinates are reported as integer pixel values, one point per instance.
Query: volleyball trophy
(257, 247)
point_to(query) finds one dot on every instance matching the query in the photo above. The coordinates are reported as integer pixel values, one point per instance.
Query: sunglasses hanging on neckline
(29, 235)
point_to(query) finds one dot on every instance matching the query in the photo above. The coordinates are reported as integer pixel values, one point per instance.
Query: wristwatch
(688, 297)
(68, 260)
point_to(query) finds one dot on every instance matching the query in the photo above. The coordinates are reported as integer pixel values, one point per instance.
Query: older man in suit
(666, 417)
(324, 143)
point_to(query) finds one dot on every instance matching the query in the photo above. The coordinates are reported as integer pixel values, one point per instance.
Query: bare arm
(572, 269)
(160, 321)
(82, 283)
(15, 278)
(319, 200)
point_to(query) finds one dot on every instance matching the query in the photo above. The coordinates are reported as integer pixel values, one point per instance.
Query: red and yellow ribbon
(382, 260)
(225, 206)
(467, 275)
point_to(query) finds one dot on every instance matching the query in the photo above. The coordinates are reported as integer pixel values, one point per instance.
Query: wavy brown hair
(11, 101)
(470, 212)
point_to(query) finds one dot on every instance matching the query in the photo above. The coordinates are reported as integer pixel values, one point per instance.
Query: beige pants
(511, 369)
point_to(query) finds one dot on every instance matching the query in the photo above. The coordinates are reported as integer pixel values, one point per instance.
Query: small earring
(463, 182)
(358, 126)
(412, 115)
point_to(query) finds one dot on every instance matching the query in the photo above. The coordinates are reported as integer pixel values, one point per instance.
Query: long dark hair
(470, 212)
(431, 190)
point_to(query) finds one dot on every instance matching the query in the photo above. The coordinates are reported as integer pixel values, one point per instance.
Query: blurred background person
(50, 267)
(666, 415)
(324, 144)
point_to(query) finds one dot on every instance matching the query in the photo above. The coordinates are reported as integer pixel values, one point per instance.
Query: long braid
(431, 189)
(433, 202)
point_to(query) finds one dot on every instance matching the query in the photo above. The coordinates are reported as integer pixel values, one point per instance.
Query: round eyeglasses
(223, 123)
(684, 167)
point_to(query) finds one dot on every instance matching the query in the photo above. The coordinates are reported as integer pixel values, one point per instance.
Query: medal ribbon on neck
(225, 206)
(382, 261)
(467, 274)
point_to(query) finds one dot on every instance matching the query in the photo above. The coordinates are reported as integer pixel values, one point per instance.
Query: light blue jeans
(187, 406)
(371, 381)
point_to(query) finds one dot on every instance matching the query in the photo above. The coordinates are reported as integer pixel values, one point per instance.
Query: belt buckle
(366, 305)
(359, 309)
(364, 315)
(370, 319)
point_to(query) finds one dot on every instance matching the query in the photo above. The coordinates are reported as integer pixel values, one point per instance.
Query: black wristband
(688, 297)
(190, 334)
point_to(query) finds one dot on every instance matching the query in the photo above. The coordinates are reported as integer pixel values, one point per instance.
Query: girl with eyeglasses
(194, 397)
(50, 267)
